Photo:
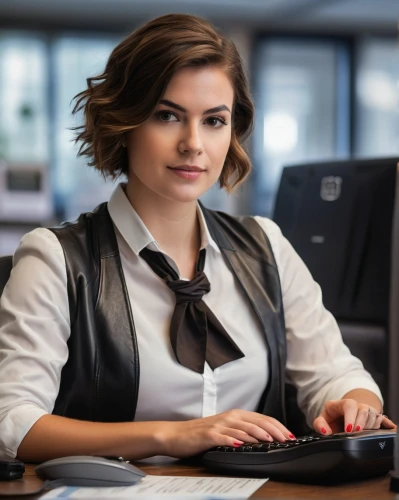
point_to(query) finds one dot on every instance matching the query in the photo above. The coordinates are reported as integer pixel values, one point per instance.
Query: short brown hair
(135, 78)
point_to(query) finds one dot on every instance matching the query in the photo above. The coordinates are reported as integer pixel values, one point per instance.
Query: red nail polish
(349, 428)
(238, 443)
(323, 430)
(358, 427)
(291, 436)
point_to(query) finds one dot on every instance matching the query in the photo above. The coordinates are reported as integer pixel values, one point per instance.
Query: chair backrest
(5, 271)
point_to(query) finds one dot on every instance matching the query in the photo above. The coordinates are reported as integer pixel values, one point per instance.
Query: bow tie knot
(190, 291)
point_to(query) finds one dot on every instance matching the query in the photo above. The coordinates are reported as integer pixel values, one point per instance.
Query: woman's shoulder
(40, 240)
(39, 270)
(272, 231)
(39, 249)
(280, 246)
(269, 227)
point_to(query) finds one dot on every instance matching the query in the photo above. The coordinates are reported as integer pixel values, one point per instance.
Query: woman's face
(179, 152)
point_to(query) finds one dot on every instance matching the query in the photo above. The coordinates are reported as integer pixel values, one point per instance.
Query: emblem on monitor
(330, 188)
(382, 444)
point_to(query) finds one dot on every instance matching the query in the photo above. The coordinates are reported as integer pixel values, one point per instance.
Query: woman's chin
(185, 196)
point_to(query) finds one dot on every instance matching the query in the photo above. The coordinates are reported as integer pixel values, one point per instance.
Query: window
(23, 105)
(377, 98)
(302, 113)
(78, 188)
(25, 193)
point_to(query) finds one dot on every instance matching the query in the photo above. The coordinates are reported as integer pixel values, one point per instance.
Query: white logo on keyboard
(382, 444)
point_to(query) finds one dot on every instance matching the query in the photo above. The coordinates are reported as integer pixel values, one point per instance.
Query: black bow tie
(196, 334)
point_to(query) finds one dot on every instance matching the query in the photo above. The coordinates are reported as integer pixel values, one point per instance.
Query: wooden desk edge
(377, 488)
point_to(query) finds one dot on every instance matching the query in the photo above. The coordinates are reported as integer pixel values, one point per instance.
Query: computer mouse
(90, 471)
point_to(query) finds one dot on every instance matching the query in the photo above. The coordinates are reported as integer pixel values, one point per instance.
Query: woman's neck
(174, 225)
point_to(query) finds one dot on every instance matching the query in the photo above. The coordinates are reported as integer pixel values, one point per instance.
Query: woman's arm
(318, 362)
(54, 436)
(34, 331)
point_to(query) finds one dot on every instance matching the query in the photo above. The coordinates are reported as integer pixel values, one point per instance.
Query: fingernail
(291, 436)
(238, 443)
(349, 428)
(323, 430)
(358, 427)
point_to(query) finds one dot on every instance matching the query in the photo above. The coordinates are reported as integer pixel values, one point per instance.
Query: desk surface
(377, 489)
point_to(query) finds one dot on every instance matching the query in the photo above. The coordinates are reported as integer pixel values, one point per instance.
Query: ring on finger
(371, 418)
(378, 420)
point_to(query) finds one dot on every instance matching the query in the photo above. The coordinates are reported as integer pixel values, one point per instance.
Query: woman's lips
(189, 173)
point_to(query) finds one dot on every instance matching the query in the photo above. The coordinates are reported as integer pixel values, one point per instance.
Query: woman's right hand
(231, 428)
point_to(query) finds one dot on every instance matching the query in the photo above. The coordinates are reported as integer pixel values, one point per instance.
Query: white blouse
(35, 327)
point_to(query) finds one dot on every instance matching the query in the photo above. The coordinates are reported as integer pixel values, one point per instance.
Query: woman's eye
(167, 116)
(215, 121)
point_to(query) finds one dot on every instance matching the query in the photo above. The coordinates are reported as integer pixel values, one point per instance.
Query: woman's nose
(191, 141)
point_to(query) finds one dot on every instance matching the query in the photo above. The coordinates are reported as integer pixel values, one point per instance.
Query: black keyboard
(310, 459)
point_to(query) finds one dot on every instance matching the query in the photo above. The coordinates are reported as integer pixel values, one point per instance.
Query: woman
(112, 340)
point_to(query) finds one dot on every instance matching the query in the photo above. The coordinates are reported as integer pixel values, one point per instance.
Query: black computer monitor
(338, 216)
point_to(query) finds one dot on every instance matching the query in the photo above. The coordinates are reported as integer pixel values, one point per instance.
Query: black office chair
(5, 270)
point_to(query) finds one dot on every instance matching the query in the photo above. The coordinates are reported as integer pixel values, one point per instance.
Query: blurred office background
(324, 76)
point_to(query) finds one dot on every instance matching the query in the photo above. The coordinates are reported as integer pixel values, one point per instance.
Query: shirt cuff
(14, 427)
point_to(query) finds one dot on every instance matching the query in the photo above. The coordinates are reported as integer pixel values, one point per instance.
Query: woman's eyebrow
(172, 104)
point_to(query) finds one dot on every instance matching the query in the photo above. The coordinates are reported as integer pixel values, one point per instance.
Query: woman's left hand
(347, 415)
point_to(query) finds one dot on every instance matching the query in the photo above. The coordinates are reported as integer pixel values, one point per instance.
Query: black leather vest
(100, 380)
